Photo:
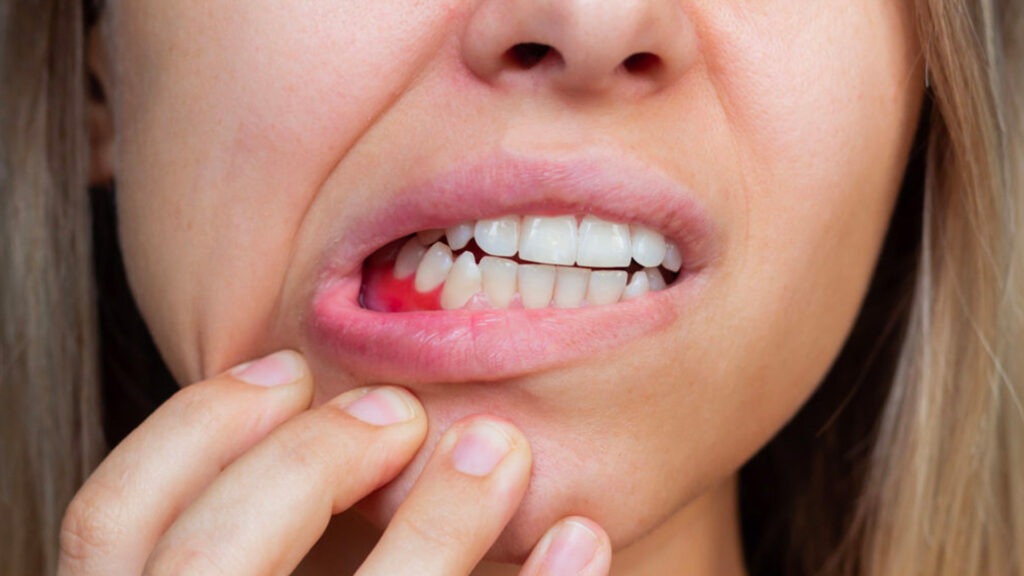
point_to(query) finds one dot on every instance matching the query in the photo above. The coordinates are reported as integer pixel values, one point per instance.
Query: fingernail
(381, 407)
(480, 448)
(572, 548)
(279, 368)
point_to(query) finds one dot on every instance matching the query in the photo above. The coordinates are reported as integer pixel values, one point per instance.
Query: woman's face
(265, 149)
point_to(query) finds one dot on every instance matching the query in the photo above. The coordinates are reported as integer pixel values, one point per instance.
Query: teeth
(409, 258)
(603, 244)
(571, 286)
(460, 235)
(606, 287)
(499, 280)
(648, 246)
(499, 237)
(428, 237)
(462, 283)
(536, 285)
(637, 287)
(654, 279)
(548, 240)
(673, 259)
(565, 249)
(434, 267)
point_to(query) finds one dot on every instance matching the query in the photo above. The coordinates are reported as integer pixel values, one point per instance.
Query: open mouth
(517, 262)
(511, 265)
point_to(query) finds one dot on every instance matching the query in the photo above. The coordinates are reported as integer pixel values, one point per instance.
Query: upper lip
(463, 345)
(610, 186)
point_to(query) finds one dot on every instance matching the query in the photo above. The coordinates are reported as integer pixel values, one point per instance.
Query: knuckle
(438, 535)
(301, 446)
(195, 406)
(89, 529)
(183, 560)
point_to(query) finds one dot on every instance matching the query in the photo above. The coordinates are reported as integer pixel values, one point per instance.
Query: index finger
(120, 512)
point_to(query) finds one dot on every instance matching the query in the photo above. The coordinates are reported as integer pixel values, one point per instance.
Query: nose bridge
(581, 45)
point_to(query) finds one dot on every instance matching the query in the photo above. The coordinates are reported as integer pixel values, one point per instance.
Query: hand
(236, 475)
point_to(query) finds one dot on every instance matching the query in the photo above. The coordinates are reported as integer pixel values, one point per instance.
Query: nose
(581, 46)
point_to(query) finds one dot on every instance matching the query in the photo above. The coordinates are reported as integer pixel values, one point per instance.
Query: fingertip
(575, 546)
(380, 405)
(600, 563)
(277, 369)
(480, 444)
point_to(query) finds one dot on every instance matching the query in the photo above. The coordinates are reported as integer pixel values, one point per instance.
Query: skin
(246, 136)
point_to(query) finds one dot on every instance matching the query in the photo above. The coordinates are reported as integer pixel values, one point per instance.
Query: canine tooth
(499, 280)
(536, 285)
(428, 237)
(548, 240)
(605, 287)
(655, 281)
(459, 235)
(434, 267)
(408, 259)
(498, 237)
(673, 258)
(648, 246)
(637, 287)
(603, 244)
(462, 283)
(571, 286)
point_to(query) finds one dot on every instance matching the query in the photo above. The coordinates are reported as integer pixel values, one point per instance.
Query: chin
(554, 493)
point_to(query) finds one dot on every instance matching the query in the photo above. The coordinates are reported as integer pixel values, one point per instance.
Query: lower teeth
(408, 276)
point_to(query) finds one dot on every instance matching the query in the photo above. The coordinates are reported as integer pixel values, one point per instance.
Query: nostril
(641, 63)
(526, 55)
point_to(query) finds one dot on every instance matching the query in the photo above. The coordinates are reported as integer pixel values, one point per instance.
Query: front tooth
(434, 267)
(603, 244)
(460, 235)
(648, 246)
(637, 287)
(673, 258)
(571, 286)
(606, 287)
(408, 259)
(536, 285)
(428, 237)
(548, 240)
(499, 280)
(498, 237)
(462, 283)
(655, 281)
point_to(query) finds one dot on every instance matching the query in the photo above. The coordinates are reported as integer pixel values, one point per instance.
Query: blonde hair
(927, 484)
(49, 427)
(945, 494)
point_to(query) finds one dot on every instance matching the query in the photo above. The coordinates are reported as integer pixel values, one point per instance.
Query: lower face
(685, 268)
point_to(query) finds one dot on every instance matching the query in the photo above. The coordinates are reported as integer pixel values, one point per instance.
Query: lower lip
(481, 345)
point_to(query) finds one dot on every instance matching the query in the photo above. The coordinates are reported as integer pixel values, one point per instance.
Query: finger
(119, 514)
(575, 546)
(468, 491)
(267, 510)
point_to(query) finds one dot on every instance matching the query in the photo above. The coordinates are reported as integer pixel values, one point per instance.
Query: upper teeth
(561, 240)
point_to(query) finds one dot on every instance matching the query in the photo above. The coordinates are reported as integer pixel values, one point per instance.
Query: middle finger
(465, 496)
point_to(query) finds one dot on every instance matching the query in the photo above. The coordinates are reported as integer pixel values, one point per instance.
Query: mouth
(510, 266)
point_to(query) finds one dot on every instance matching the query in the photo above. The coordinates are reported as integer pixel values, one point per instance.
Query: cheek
(232, 117)
(822, 120)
